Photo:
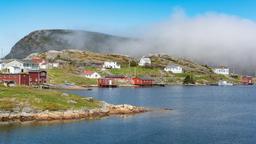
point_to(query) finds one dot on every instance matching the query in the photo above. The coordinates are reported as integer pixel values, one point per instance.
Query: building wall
(14, 70)
(19, 79)
(14, 63)
(38, 77)
(111, 65)
(247, 80)
(139, 81)
(144, 62)
(31, 78)
(174, 70)
(223, 71)
(106, 82)
(93, 76)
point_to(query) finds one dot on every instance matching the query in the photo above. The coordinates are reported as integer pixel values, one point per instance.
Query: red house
(37, 77)
(142, 81)
(107, 82)
(246, 80)
(28, 79)
(19, 79)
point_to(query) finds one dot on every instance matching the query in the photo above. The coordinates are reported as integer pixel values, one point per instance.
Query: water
(201, 115)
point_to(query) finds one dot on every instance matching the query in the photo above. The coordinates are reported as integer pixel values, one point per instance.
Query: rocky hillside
(82, 58)
(86, 58)
(44, 40)
(75, 61)
(189, 66)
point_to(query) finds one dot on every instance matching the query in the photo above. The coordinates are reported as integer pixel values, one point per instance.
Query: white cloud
(211, 38)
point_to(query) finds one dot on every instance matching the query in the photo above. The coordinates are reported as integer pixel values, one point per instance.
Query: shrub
(189, 79)
(133, 63)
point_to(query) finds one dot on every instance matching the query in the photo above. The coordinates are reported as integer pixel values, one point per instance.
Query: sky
(119, 17)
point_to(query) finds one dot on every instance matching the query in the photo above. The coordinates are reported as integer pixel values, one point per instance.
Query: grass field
(20, 97)
(137, 71)
(60, 76)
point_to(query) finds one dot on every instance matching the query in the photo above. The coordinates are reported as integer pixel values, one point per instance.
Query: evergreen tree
(189, 79)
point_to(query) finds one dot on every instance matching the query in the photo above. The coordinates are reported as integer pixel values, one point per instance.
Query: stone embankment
(106, 109)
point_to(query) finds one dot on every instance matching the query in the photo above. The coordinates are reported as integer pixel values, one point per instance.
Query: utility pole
(135, 72)
(129, 63)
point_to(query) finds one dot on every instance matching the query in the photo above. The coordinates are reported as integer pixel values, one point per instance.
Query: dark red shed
(247, 80)
(107, 82)
(30, 78)
(19, 79)
(37, 77)
(142, 81)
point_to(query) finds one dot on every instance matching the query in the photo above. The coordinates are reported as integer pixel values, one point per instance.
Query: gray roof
(21, 61)
(173, 66)
(10, 60)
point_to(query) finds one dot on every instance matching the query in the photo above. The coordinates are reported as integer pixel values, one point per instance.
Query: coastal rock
(28, 114)
(27, 109)
(125, 109)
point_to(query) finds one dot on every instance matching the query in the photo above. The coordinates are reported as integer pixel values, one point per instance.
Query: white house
(12, 62)
(14, 69)
(22, 65)
(43, 65)
(174, 69)
(144, 61)
(46, 65)
(222, 70)
(55, 65)
(111, 65)
(91, 74)
(29, 65)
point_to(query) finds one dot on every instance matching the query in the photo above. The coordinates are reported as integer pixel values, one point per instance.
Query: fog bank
(210, 38)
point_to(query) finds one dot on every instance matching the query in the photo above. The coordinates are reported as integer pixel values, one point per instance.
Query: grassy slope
(59, 76)
(19, 97)
(140, 71)
(202, 74)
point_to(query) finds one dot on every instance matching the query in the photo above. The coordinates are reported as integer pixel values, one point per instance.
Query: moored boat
(224, 83)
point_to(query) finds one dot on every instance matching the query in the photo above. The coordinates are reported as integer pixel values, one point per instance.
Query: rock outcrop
(60, 39)
(105, 110)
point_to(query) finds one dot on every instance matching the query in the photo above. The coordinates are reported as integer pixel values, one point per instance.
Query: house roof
(88, 72)
(173, 66)
(145, 78)
(37, 60)
(10, 60)
(18, 60)
(146, 59)
(36, 71)
(223, 67)
(115, 76)
(110, 62)
(14, 67)
(28, 62)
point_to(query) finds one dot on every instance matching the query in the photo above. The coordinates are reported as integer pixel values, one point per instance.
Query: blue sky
(19, 17)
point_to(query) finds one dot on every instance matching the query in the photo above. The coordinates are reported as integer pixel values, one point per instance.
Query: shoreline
(40, 116)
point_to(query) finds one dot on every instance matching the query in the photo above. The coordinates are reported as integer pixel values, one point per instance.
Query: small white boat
(224, 83)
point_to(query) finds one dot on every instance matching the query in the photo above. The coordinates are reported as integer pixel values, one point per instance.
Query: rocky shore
(28, 114)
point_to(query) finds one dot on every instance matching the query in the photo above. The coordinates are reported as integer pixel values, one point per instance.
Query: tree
(189, 79)
(133, 63)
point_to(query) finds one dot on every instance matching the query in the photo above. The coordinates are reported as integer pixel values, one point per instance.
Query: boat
(224, 83)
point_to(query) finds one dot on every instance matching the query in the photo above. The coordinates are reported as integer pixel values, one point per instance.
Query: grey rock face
(44, 40)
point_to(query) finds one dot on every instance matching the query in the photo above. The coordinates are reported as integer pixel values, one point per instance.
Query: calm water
(202, 115)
